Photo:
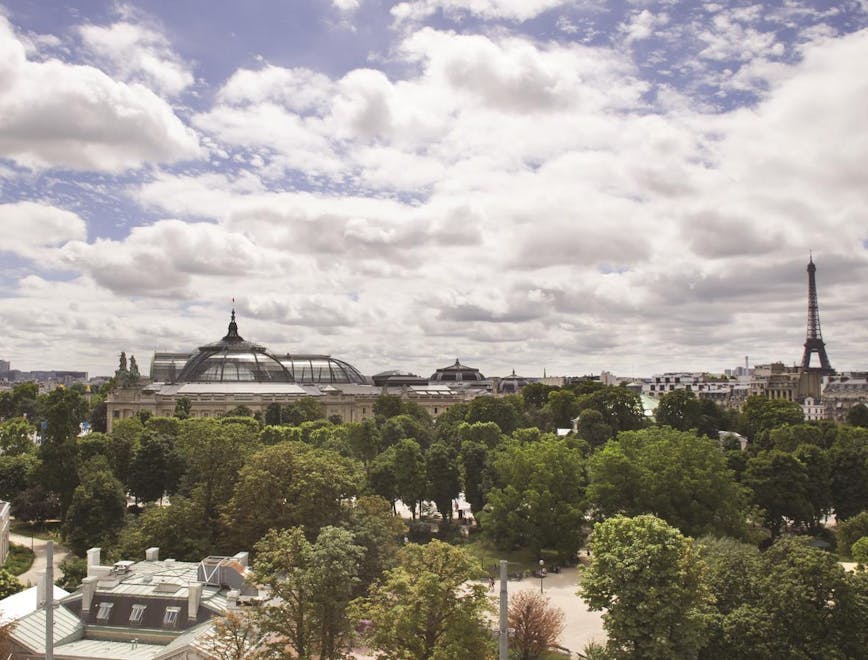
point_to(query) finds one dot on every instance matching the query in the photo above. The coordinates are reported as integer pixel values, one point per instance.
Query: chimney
(93, 557)
(152, 554)
(40, 589)
(88, 591)
(232, 597)
(194, 597)
(242, 558)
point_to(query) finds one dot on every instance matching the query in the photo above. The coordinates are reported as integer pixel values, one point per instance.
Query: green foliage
(19, 559)
(183, 406)
(387, 406)
(72, 571)
(818, 489)
(155, 468)
(382, 479)
(63, 411)
(648, 579)
(538, 498)
(563, 407)
(20, 401)
(503, 411)
(779, 483)
(364, 440)
(474, 467)
(681, 410)
(593, 429)
(16, 474)
(848, 457)
(409, 471)
(16, 437)
(426, 608)
(96, 513)
(442, 477)
(676, 475)
(9, 584)
(851, 530)
(306, 409)
(403, 427)
(314, 583)
(486, 433)
(180, 531)
(287, 485)
(859, 550)
(761, 415)
(379, 531)
(36, 505)
(536, 395)
(621, 409)
(858, 415)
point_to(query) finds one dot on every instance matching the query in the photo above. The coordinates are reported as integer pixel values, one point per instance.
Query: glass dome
(232, 360)
(321, 369)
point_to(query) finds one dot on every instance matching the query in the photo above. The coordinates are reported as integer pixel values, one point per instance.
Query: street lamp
(541, 574)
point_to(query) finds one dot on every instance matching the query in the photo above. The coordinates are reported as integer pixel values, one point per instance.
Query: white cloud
(61, 115)
(28, 228)
(135, 53)
(511, 10)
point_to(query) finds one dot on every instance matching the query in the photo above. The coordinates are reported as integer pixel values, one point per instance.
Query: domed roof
(457, 373)
(233, 359)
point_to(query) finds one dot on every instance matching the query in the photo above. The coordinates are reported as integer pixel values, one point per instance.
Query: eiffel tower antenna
(814, 341)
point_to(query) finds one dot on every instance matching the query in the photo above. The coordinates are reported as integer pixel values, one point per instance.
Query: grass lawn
(50, 531)
(19, 559)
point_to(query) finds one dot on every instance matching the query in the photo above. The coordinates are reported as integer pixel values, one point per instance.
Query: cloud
(29, 227)
(510, 10)
(135, 53)
(61, 115)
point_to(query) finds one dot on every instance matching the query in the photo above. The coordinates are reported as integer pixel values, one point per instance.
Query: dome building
(233, 372)
(460, 375)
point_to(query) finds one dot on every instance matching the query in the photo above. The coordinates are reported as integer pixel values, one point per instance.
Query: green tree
(63, 410)
(183, 406)
(17, 473)
(9, 584)
(427, 608)
(382, 479)
(761, 414)
(96, 513)
(314, 583)
(858, 415)
(850, 531)
(155, 468)
(538, 498)
(678, 409)
(486, 433)
(848, 457)
(859, 550)
(16, 437)
(536, 395)
(364, 440)
(442, 478)
(410, 474)
(36, 505)
(379, 531)
(675, 475)
(503, 411)
(563, 406)
(306, 409)
(387, 406)
(621, 409)
(647, 578)
(21, 401)
(819, 485)
(593, 429)
(474, 468)
(779, 483)
(179, 530)
(287, 485)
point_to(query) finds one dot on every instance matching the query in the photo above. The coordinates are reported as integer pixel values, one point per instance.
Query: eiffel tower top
(814, 340)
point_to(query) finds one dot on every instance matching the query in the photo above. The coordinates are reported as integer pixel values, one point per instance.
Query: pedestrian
(491, 583)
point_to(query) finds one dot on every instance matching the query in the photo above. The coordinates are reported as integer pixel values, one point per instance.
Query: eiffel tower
(814, 342)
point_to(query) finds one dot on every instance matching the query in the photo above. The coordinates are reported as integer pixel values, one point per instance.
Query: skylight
(105, 610)
(137, 613)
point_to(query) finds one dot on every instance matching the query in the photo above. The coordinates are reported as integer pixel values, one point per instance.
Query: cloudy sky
(568, 185)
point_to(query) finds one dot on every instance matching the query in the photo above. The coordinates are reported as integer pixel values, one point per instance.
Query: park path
(28, 578)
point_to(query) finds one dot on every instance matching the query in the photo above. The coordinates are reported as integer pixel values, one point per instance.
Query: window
(136, 613)
(104, 612)
(171, 616)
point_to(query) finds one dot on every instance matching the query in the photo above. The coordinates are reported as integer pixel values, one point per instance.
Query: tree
(306, 409)
(155, 468)
(376, 529)
(180, 530)
(287, 485)
(96, 513)
(648, 579)
(442, 478)
(850, 531)
(382, 480)
(536, 395)
(17, 473)
(364, 441)
(387, 406)
(593, 429)
(779, 483)
(859, 550)
(538, 497)
(474, 468)
(503, 411)
(563, 406)
(410, 474)
(314, 583)
(819, 486)
(36, 505)
(9, 584)
(427, 608)
(536, 625)
(63, 410)
(848, 457)
(621, 409)
(72, 571)
(678, 409)
(675, 475)
(858, 415)
(183, 405)
(236, 636)
(16, 437)
(761, 414)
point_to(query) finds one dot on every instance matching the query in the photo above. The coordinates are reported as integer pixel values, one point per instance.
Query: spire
(232, 334)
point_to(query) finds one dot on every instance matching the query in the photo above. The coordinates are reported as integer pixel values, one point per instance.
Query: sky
(565, 186)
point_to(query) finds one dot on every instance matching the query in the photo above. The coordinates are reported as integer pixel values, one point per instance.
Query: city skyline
(555, 185)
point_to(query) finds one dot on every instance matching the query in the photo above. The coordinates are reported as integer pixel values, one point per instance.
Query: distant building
(139, 610)
(842, 392)
(459, 375)
(813, 410)
(235, 372)
(725, 391)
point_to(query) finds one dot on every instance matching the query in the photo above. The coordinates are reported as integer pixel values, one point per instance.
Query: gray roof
(29, 631)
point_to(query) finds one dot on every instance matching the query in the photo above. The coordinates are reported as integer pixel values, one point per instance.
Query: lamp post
(541, 574)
